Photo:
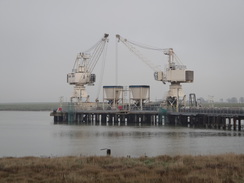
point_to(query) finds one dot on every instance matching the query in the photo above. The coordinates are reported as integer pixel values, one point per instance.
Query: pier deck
(221, 118)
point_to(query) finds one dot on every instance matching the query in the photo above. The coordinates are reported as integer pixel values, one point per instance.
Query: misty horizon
(40, 40)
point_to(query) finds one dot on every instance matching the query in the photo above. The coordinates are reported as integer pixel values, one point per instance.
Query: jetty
(210, 118)
(131, 105)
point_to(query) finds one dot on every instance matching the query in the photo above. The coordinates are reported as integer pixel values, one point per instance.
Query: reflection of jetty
(221, 118)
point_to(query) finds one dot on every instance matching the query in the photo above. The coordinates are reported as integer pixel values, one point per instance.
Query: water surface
(34, 134)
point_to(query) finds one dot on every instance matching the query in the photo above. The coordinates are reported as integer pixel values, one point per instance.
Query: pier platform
(108, 117)
(213, 118)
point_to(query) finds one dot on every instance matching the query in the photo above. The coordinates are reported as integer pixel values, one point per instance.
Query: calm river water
(34, 134)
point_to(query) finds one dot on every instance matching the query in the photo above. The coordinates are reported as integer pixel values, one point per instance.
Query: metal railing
(106, 107)
(207, 110)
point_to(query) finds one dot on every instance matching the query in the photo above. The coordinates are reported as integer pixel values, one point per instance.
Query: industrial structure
(175, 73)
(82, 71)
(131, 104)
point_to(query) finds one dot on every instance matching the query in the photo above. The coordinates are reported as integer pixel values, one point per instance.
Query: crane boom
(175, 73)
(84, 64)
(137, 53)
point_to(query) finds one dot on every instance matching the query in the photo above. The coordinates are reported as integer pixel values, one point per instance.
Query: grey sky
(39, 41)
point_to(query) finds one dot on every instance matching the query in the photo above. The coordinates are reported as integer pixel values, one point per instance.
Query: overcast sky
(40, 39)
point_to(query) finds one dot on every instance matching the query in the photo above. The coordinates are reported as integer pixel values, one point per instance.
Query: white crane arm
(90, 57)
(97, 52)
(137, 53)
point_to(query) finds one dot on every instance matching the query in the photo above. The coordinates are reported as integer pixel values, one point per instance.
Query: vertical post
(103, 119)
(115, 119)
(177, 101)
(78, 118)
(234, 121)
(224, 123)
(141, 97)
(229, 125)
(116, 65)
(239, 124)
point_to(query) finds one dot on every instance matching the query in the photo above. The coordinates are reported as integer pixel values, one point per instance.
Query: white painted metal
(140, 92)
(112, 92)
(176, 73)
(82, 71)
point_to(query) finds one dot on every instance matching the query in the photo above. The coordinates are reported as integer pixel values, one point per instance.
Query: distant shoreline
(49, 106)
(35, 106)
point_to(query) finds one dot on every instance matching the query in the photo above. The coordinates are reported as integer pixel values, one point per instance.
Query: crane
(81, 74)
(175, 72)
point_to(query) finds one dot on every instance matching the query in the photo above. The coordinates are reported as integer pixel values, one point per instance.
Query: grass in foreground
(222, 168)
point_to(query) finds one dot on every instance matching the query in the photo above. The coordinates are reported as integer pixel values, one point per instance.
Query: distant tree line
(241, 100)
(228, 100)
(235, 100)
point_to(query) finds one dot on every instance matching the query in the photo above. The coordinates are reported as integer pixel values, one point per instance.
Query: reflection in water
(151, 141)
(98, 131)
(33, 134)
